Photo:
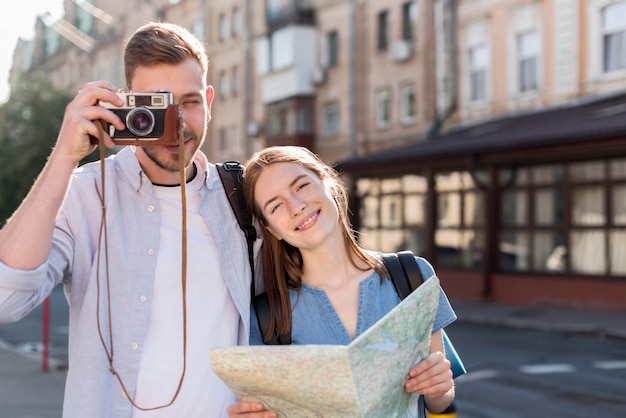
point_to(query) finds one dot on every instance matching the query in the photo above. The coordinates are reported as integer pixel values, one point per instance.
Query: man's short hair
(162, 43)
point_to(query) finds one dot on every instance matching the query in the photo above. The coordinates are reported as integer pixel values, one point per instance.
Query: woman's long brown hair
(282, 262)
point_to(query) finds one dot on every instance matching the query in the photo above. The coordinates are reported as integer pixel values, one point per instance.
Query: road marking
(477, 375)
(547, 368)
(610, 365)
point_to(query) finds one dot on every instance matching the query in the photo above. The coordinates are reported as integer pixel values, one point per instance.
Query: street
(513, 373)
(520, 373)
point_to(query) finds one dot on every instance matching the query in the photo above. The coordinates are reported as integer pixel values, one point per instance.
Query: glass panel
(390, 214)
(391, 185)
(514, 251)
(509, 177)
(589, 252)
(412, 183)
(548, 207)
(474, 211)
(592, 170)
(515, 208)
(369, 238)
(367, 187)
(449, 210)
(547, 174)
(369, 212)
(474, 249)
(588, 206)
(415, 209)
(549, 254)
(448, 181)
(619, 205)
(415, 240)
(391, 240)
(618, 169)
(448, 244)
(618, 244)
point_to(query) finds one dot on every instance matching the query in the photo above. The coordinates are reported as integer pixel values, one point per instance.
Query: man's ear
(210, 94)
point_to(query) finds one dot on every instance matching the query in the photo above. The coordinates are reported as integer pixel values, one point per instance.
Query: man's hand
(81, 116)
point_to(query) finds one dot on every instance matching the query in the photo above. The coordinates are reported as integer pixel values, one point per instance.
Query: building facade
(489, 136)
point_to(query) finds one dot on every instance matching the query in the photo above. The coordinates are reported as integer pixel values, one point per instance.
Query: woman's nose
(297, 206)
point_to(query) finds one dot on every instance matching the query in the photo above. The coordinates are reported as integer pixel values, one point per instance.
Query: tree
(29, 123)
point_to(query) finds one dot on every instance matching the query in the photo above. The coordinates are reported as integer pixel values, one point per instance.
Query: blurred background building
(488, 136)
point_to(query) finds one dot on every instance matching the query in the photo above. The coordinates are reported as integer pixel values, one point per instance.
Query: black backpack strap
(412, 270)
(404, 272)
(231, 174)
(262, 308)
(397, 275)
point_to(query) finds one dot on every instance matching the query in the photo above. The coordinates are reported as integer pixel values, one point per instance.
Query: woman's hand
(249, 410)
(431, 377)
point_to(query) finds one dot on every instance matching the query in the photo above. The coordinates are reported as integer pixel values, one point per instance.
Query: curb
(573, 328)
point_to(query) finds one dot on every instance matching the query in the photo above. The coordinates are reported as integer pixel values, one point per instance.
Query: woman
(327, 289)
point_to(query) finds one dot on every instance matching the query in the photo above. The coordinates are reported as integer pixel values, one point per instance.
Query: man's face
(194, 98)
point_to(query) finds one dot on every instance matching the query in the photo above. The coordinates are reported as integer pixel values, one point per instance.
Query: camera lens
(140, 121)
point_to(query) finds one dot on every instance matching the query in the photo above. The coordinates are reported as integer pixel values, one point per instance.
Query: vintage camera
(142, 113)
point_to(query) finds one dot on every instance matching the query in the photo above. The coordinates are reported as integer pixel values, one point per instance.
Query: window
(582, 231)
(614, 37)
(408, 104)
(479, 65)
(197, 28)
(223, 80)
(392, 213)
(332, 43)
(460, 228)
(84, 19)
(223, 141)
(223, 28)
(383, 30)
(383, 109)
(528, 61)
(331, 119)
(236, 22)
(234, 80)
(235, 140)
(409, 17)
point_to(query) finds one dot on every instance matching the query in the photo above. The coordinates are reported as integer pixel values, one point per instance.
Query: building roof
(574, 129)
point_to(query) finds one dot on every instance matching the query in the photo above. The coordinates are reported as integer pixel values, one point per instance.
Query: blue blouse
(314, 320)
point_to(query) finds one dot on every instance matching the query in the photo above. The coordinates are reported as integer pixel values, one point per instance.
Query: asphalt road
(536, 374)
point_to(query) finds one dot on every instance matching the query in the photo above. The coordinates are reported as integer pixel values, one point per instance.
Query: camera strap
(174, 128)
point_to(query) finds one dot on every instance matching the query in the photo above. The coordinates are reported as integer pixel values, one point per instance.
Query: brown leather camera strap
(177, 126)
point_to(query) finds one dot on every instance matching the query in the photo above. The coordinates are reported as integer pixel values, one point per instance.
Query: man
(139, 340)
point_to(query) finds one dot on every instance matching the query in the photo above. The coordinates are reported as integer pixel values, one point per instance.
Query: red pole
(45, 334)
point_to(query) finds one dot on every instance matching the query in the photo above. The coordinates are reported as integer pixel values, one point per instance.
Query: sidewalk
(27, 392)
(601, 323)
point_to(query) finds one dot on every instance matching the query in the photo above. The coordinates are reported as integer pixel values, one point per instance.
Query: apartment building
(489, 136)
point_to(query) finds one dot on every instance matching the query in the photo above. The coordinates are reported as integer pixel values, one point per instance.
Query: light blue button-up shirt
(314, 320)
(133, 220)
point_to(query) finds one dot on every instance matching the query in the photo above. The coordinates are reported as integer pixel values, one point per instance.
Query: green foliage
(29, 124)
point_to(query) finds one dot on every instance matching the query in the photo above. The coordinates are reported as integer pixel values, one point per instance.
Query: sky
(17, 20)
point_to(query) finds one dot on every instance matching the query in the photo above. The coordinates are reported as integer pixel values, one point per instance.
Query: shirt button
(142, 298)
(124, 395)
(151, 251)
(134, 346)
(151, 208)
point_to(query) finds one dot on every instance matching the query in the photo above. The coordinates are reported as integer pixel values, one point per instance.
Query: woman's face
(298, 207)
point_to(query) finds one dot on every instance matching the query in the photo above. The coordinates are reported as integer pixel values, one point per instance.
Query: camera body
(142, 113)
